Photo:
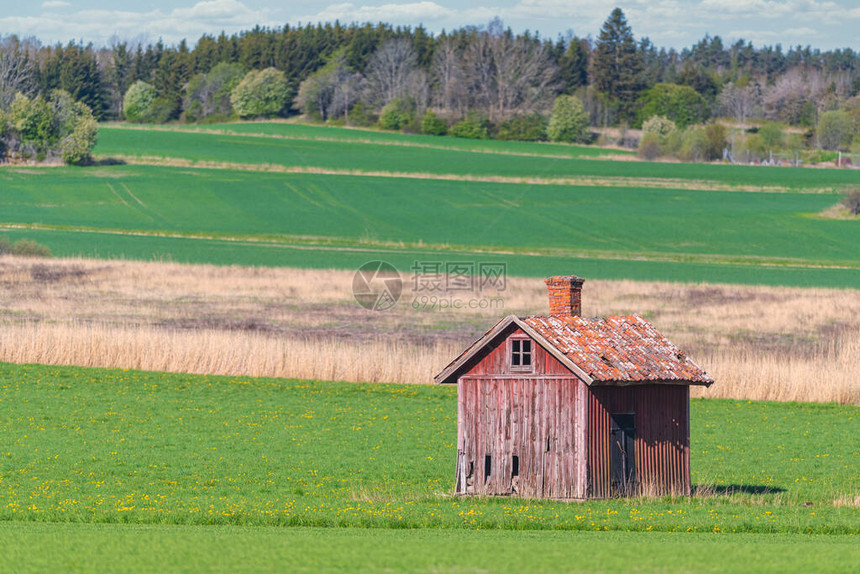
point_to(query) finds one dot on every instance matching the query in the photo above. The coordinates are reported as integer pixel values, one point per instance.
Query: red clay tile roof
(618, 349)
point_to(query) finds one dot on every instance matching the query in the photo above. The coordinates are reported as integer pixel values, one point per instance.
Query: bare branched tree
(480, 73)
(16, 69)
(508, 75)
(350, 86)
(788, 98)
(390, 70)
(418, 88)
(525, 75)
(330, 91)
(741, 103)
(449, 89)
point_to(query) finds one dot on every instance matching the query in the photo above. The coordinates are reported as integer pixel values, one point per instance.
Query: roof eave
(627, 383)
(445, 375)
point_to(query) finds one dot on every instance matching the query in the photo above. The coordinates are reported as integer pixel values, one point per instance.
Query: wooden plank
(530, 476)
(460, 479)
(540, 438)
(516, 439)
(469, 433)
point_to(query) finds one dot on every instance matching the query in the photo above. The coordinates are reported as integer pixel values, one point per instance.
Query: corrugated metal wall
(662, 445)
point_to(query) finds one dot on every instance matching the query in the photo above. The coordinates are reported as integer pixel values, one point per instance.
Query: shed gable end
(499, 358)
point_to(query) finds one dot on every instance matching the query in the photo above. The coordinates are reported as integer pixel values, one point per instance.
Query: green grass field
(456, 158)
(311, 220)
(322, 132)
(90, 445)
(206, 471)
(33, 547)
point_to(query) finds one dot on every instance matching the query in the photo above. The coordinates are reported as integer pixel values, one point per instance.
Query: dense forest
(484, 78)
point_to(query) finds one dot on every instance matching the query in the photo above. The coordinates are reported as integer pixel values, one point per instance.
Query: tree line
(475, 81)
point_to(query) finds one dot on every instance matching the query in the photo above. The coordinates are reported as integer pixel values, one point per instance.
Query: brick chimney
(565, 295)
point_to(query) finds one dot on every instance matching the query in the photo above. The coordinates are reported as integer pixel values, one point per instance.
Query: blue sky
(825, 24)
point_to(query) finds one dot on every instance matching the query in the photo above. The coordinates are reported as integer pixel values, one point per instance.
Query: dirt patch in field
(24, 171)
(111, 173)
(47, 273)
(697, 296)
(839, 212)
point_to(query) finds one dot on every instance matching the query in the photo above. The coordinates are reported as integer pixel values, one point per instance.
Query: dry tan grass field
(757, 342)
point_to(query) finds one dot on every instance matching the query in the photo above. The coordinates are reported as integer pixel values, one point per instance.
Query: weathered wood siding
(662, 443)
(537, 417)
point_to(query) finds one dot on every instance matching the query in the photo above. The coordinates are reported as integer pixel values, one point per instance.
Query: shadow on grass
(730, 489)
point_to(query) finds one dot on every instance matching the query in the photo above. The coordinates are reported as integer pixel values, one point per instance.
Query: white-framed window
(521, 354)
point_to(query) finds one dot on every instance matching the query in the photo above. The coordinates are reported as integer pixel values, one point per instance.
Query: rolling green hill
(302, 146)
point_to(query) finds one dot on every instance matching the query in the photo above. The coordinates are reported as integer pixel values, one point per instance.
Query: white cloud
(560, 9)
(55, 4)
(769, 9)
(746, 8)
(788, 37)
(98, 26)
(801, 32)
(215, 11)
(414, 13)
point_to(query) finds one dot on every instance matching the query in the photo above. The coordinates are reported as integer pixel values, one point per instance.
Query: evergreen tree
(80, 77)
(701, 81)
(573, 65)
(618, 64)
(171, 76)
(205, 55)
(363, 44)
(423, 44)
(120, 75)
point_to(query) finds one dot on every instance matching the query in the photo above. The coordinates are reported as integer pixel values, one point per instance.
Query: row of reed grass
(827, 375)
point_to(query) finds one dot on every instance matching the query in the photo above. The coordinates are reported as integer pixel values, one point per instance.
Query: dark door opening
(622, 469)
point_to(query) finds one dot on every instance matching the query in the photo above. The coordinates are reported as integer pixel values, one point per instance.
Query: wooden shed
(561, 406)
